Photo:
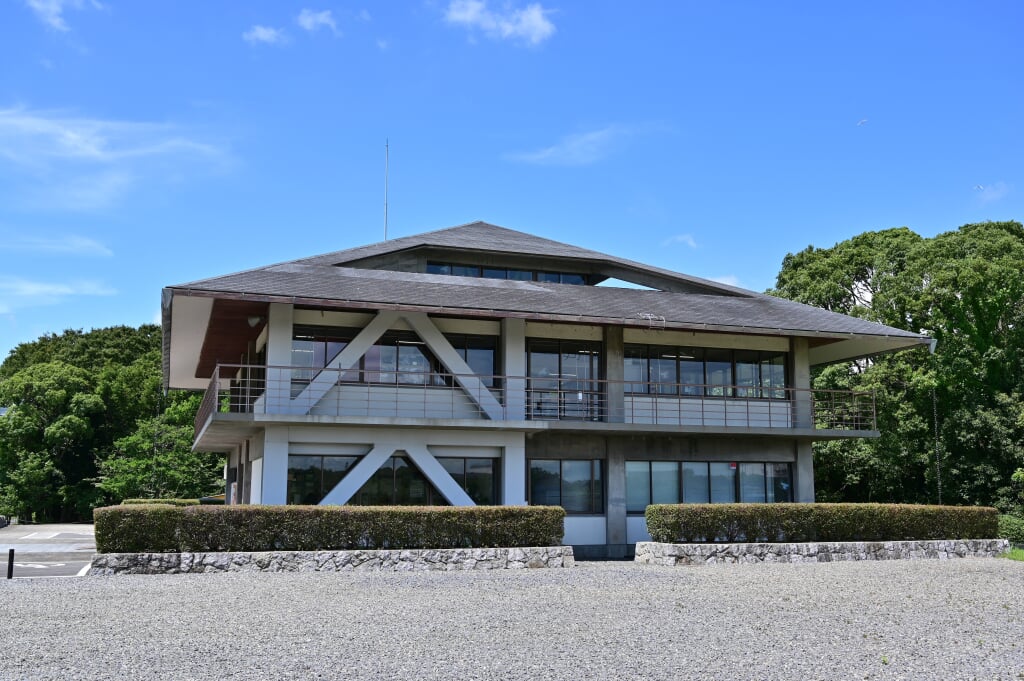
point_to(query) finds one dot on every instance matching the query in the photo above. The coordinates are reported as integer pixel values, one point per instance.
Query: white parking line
(40, 535)
(81, 573)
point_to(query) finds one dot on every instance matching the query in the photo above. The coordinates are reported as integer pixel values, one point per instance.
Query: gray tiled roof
(317, 280)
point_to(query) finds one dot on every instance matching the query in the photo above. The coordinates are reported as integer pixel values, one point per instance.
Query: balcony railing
(280, 390)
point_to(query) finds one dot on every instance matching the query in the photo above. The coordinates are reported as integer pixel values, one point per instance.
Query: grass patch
(1014, 554)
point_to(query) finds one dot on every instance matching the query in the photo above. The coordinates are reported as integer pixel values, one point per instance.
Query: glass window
(773, 375)
(718, 367)
(664, 370)
(780, 484)
(752, 483)
(552, 277)
(635, 368)
(438, 268)
(723, 482)
(575, 279)
(413, 364)
(482, 480)
(638, 486)
(305, 476)
(545, 483)
(691, 371)
(664, 482)
(495, 273)
(696, 482)
(465, 271)
(520, 275)
(577, 486)
(748, 373)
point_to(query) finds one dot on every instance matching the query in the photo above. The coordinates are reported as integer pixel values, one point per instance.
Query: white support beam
(358, 476)
(443, 350)
(346, 359)
(438, 476)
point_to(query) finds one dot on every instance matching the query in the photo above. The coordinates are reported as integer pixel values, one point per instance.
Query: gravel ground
(958, 619)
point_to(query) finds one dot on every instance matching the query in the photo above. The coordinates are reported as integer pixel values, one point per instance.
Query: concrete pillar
(800, 379)
(804, 472)
(614, 370)
(513, 473)
(615, 504)
(277, 397)
(275, 465)
(513, 366)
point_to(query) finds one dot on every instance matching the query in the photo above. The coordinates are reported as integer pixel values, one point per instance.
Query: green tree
(965, 289)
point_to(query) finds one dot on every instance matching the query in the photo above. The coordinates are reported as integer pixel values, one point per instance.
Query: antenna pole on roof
(385, 189)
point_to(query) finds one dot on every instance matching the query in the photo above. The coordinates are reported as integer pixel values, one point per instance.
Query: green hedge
(169, 502)
(705, 523)
(1012, 527)
(165, 528)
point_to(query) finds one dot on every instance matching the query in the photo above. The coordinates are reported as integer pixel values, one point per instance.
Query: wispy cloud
(17, 293)
(51, 12)
(992, 192)
(529, 24)
(575, 150)
(66, 161)
(728, 280)
(265, 35)
(62, 245)
(311, 20)
(680, 239)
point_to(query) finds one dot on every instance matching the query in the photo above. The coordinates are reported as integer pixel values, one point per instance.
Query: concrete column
(615, 505)
(275, 465)
(513, 363)
(804, 472)
(614, 369)
(277, 397)
(800, 378)
(513, 473)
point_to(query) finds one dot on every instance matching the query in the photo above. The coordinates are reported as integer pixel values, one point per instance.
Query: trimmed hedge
(1012, 527)
(169, 502)
(707, 523)
(156, 528)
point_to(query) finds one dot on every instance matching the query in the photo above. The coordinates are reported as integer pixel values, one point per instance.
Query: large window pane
(638, 486)
(780, 484)
(379, 490)
(718, 364)
(494, 273)
(773, 376)
(544, 378)
(695, 482)
(723, 483)
(411, 488)
(520, 275)
(691, 371)
(413, 365)
(465, 271)
(752, 483)
(575, 279)
(664, 482)
(545, 483)
(664, 366)
(576, 486)
(304, 479)
(481, 361)
(481, 480)
(553, 277)
(635, 358)
(748, 373)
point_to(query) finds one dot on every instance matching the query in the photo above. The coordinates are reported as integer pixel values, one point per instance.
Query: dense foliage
(164, 528)
(818, 522)
(952, 423)
(88, 424)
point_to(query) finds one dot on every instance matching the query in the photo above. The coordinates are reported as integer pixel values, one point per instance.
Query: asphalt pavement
(58, 550)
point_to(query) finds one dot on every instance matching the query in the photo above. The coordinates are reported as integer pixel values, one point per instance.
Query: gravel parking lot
(958, 619)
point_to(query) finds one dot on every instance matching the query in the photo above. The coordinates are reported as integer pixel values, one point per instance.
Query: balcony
(570, 401)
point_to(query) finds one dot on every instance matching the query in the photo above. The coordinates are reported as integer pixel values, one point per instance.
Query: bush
(165, 528)
(1012, 527)
(167, 502)
(817, 522)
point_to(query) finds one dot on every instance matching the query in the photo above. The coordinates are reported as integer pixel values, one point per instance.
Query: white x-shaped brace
(429, 334)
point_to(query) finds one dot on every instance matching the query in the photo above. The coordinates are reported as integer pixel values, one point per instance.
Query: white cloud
(728, 280)
(51, 12)
(680, 239)
(364, 15)
(63, 161)
(574, 150)
(382, 44)
(266, 35)
(63, 245)
(17, 293)
(313, 21)
(992, 192)
(529, 24)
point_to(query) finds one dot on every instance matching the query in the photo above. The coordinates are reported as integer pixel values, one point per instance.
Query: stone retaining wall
(656, 553)
(333, 561)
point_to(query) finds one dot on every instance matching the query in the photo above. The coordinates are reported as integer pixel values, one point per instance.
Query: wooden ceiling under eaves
(234, 324)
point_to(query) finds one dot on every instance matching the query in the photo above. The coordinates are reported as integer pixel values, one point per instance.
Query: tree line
(89, 424)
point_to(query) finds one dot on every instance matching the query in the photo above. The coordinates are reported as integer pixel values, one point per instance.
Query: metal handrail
(258, 389)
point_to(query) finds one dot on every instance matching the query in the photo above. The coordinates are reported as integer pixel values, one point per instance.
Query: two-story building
(481, 365)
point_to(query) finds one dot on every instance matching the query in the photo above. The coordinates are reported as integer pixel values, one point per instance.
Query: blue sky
(144, 144)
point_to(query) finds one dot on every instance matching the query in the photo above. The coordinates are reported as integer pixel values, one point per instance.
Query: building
(479, 364)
